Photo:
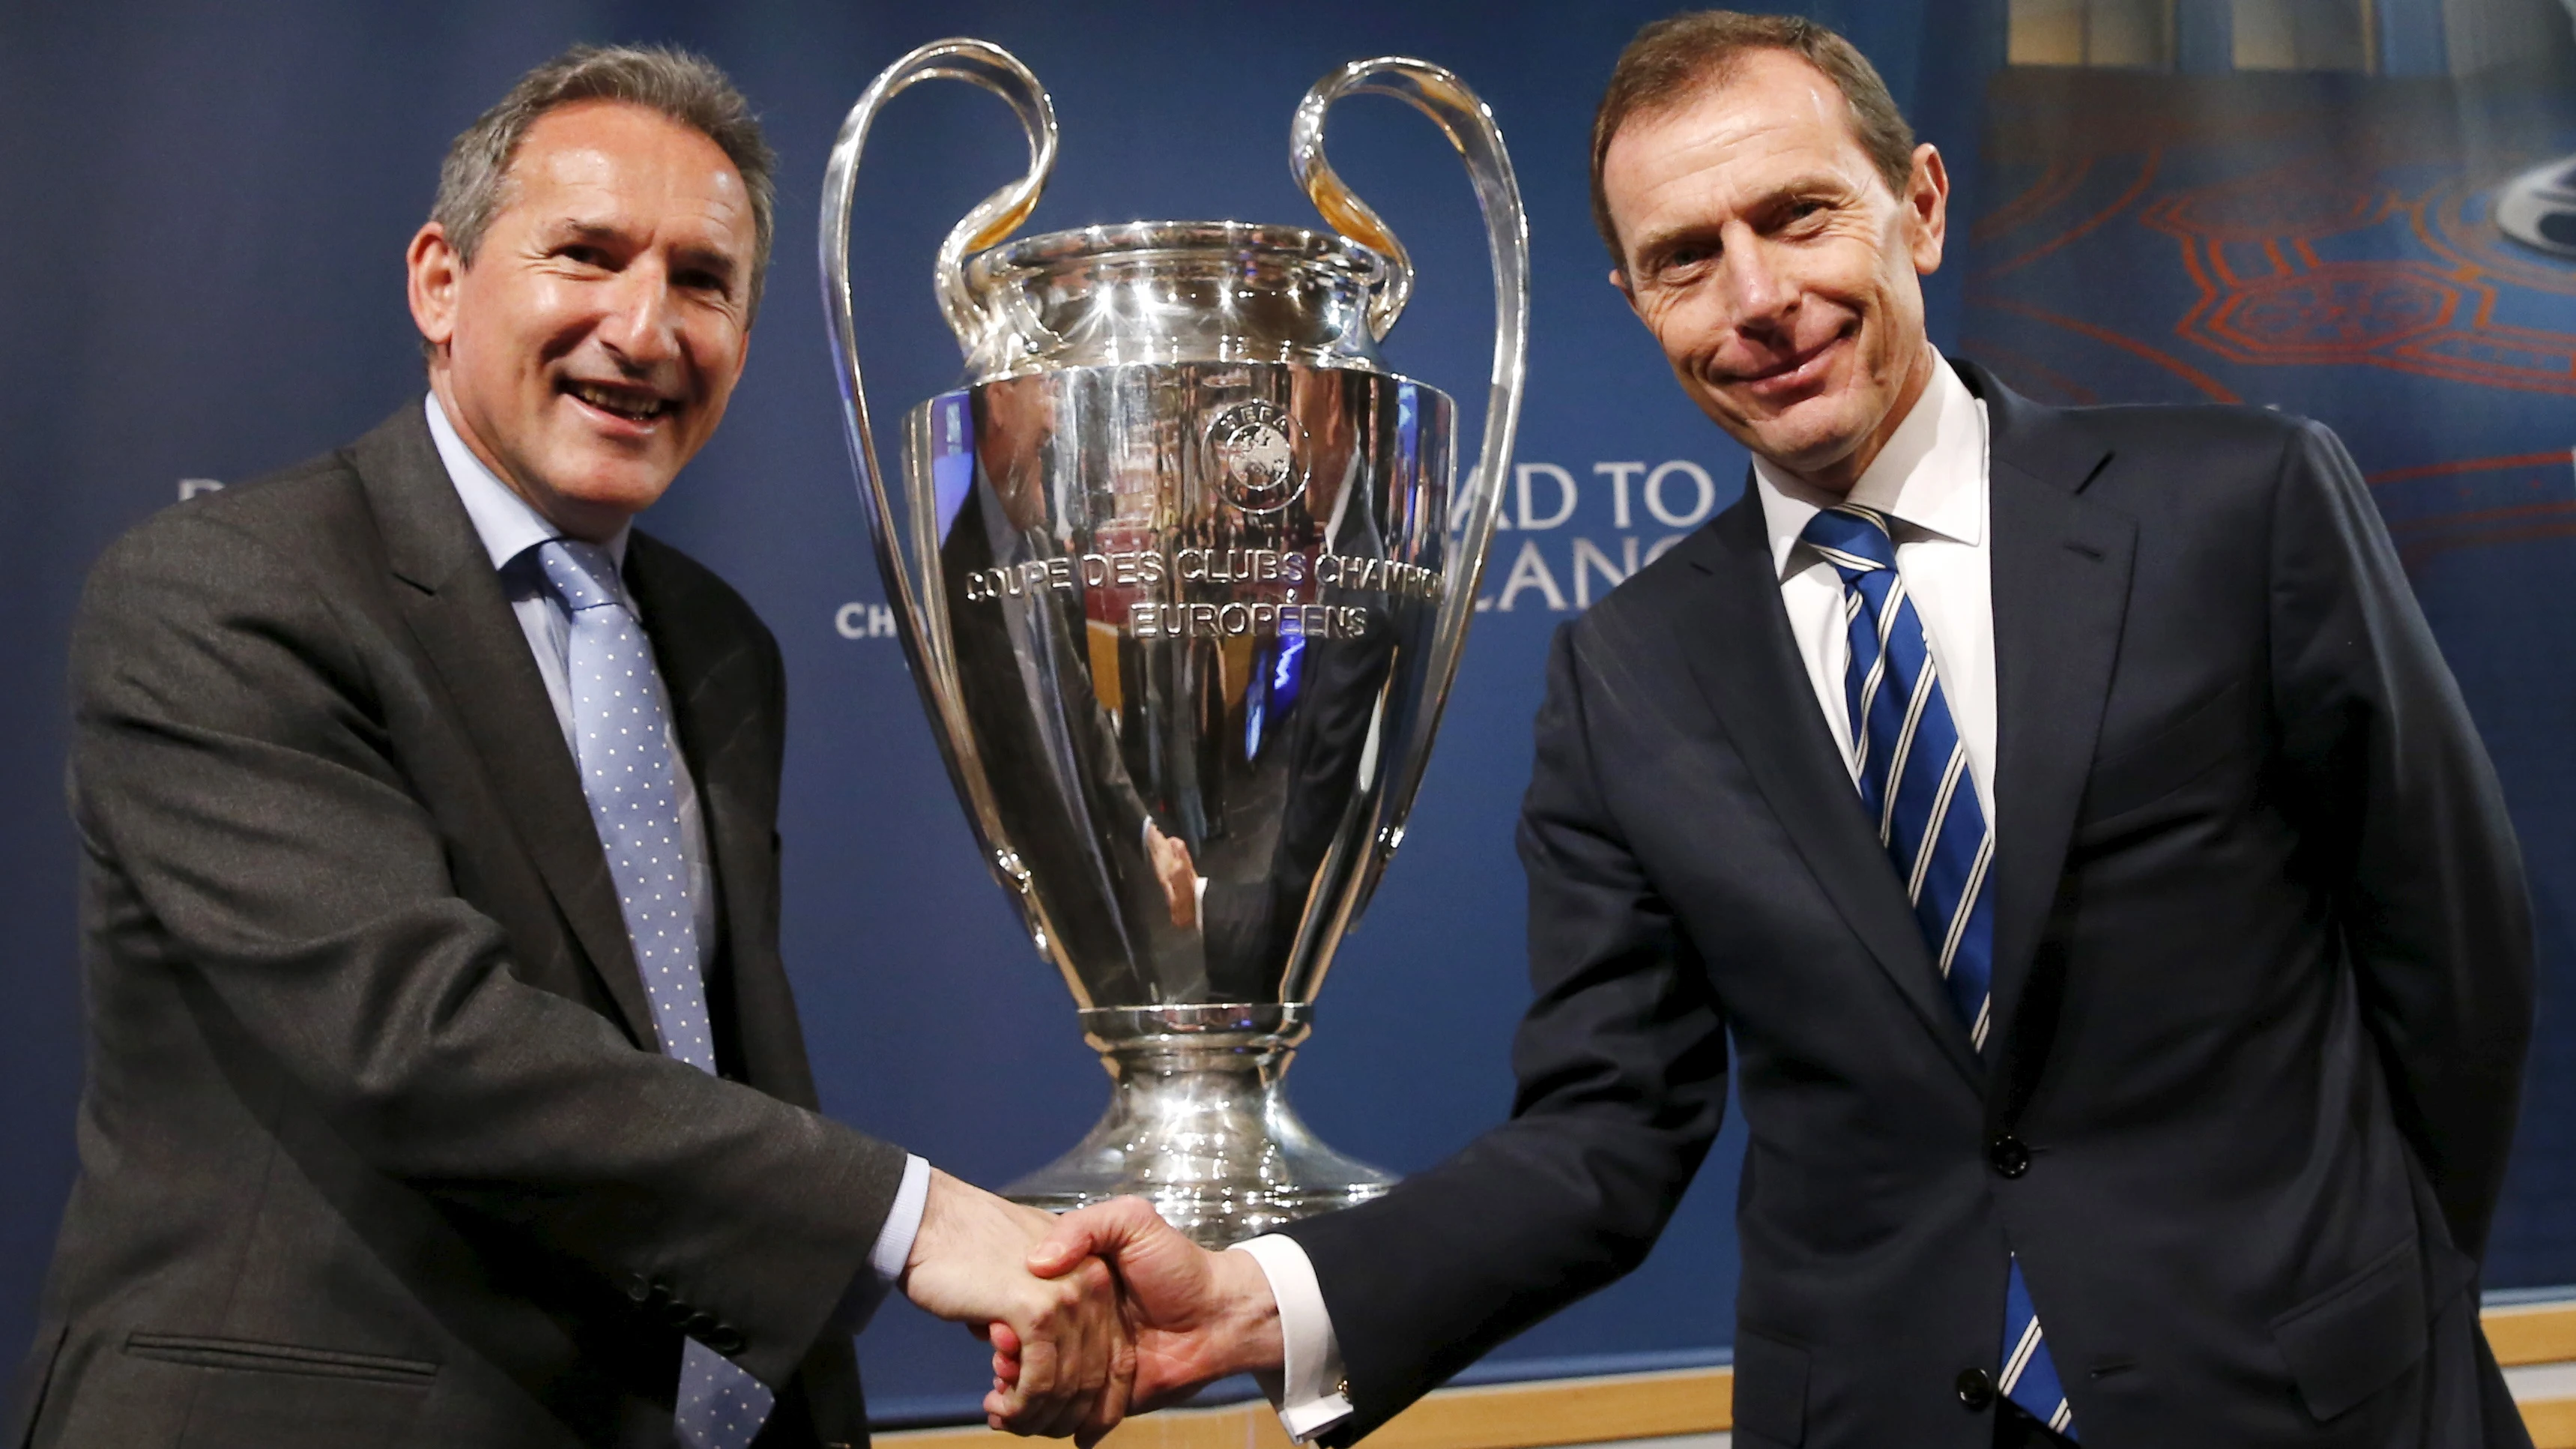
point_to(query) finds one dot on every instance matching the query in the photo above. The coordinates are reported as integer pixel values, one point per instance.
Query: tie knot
(581, 574)
(1853, 539)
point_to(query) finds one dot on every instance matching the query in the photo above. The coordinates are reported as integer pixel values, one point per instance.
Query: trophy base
(1199, 1125)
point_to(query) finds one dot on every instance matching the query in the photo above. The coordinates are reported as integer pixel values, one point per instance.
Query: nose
(1758, 295)
(641, 325)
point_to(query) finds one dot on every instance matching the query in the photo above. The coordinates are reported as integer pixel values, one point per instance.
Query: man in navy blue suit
(2066, 816)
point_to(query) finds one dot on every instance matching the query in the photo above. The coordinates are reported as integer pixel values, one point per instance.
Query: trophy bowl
(1182, 576)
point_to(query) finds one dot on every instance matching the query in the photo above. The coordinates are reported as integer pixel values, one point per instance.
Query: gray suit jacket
(376, 1146)
(2262, 989)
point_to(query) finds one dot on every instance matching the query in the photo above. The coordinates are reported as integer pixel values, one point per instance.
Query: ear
(1927, 209)
(435, 271)
(1619, 279)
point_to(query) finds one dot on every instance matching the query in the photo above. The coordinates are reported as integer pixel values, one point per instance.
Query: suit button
(2007, 1156)
(700, 1325)
(678, 1314)
(1976, 1388)
(638, 1289)
(723, 1338)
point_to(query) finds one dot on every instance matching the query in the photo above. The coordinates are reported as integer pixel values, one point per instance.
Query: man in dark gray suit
(2065, 815)
(444, 1085)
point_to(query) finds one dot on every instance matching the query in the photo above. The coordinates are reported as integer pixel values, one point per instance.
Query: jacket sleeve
(2405, 826)
(232, 765)
(1621, 1064)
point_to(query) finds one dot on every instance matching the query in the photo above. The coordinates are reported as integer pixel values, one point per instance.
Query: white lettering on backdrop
(1560, 563)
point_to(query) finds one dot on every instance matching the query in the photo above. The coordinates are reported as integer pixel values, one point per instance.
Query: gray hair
(474, 180)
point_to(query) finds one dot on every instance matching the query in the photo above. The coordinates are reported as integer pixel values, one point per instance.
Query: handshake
(1093, 1315)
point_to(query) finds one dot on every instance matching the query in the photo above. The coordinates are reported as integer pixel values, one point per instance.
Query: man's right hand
(969, 1265)
(1177, 874)
(1195, 1316)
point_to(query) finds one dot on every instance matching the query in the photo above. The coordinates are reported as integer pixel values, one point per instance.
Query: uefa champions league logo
(1252, 448)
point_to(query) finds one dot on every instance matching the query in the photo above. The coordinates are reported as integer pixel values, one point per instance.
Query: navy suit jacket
(2262, 986)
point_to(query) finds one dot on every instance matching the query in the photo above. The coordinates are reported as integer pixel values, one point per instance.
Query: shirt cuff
(1309, 1391)
(893, 1248)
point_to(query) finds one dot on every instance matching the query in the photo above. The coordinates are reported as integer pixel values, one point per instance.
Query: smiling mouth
(628, 404)
(1793, 370)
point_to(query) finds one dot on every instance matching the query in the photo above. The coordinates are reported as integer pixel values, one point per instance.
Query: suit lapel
(2060, 570)
(726, 703)
(457, 611)
(1741, 654)
(711, 678)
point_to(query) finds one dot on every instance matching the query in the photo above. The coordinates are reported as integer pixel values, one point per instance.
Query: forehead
(600, 161)
(1772, 118)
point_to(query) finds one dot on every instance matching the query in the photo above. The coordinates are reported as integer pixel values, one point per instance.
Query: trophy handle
(1469, 125)
(917, 588)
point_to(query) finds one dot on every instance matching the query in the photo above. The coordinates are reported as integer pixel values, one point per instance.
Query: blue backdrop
(202, 215)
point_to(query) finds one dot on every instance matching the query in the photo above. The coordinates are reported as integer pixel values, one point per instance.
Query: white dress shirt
(511, 530)
(1931, 482)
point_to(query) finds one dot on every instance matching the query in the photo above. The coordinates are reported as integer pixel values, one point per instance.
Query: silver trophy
(1182, 582)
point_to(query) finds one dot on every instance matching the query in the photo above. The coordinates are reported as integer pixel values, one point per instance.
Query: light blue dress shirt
(511, 530)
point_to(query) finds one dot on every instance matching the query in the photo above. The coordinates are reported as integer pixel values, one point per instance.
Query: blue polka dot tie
(622, 741)
(1914, 781)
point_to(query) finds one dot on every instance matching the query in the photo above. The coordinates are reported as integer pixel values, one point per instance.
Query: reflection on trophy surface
(1177, 580)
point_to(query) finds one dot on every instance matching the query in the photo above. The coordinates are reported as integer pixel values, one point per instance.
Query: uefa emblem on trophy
(1175, 573)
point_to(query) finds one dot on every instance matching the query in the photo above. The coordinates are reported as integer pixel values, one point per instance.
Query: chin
(604, 490)
(1806, 447)
(629, 499)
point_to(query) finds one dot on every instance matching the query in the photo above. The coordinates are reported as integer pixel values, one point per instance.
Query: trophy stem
(1199, 1125)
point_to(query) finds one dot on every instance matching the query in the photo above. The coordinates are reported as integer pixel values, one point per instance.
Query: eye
(1805, 214)
(582, 254)
(1683, 256)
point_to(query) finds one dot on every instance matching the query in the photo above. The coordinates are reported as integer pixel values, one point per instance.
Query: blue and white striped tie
(1914, 778)
(622, 739)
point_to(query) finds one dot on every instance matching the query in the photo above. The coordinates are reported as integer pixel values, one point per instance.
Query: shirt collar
(1930, 476)
(504, 521)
